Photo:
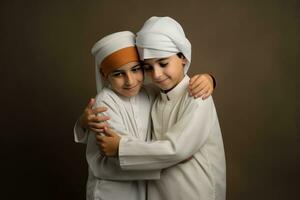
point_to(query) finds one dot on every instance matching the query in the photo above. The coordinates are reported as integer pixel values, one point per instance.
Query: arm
(109, 167)
(200, 85)
(182, 140)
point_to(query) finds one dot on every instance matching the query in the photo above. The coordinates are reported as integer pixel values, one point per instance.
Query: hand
(90, 120)
(201, 85)
(109, 143)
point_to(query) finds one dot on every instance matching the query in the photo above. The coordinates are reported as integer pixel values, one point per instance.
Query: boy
(185, 128)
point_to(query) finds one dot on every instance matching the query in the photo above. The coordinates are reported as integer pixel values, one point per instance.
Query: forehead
(155, 60)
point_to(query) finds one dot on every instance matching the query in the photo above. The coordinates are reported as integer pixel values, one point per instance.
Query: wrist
(213, 80)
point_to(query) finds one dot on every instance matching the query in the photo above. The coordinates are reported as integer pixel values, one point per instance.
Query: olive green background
(47, 77)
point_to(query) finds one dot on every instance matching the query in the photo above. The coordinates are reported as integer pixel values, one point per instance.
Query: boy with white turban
(185, 128)
(119, 79)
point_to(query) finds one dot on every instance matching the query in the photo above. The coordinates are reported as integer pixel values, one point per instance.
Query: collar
(177, 91)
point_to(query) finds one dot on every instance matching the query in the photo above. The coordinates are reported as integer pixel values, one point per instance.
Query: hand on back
(201, 85)
(91, 120)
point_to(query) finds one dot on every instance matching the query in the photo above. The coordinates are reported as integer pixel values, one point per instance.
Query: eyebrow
(137, 65)
(120, 70)
(117, 71)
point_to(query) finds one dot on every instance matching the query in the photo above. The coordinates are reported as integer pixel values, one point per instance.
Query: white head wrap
(108, 45)
(162, 37)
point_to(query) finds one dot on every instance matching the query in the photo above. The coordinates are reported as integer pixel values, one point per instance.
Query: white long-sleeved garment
(129, 117)
(183, 127)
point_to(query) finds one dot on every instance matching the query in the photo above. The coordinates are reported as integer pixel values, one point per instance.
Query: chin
(165, 87)
(130, 94)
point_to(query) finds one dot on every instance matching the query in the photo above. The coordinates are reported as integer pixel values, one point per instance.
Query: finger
(192, 88)
(202, 92)
(100, 138)
(199, 88)
(206, 95)
(97, 119)
(193, 79)
(91, 103)
(92, 118)
(199, 85)
(204, 78)
(98, 125)
(210, 92)
(103, 146)
(200, 78)
(100, 142)
(210, 80)
(108, 132)
(196, 83)
(95, 130)
(102, 118)
(99, 110)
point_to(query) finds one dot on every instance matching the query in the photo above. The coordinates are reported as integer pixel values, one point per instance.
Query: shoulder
(196, 102)
(106, 96)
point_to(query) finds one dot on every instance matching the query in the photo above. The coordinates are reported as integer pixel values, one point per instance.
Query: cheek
(176, 70)
(140, 76)
(116, 84)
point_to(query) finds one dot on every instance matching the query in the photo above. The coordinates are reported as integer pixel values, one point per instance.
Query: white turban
(107, 46)
(162, 37)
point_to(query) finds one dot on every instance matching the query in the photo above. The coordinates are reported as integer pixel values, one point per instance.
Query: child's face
(127, 80)
(167, 72)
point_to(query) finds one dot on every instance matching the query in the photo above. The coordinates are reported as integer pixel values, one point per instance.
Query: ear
(104, 78)
(102, 74)
(184, 61)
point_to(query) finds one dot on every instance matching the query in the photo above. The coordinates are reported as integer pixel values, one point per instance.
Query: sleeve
(182, 140)
(109, 167)
(80, 135)
(214, 80)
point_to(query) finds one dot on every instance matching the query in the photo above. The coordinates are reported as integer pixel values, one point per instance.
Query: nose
(129, 79)
(157, 72)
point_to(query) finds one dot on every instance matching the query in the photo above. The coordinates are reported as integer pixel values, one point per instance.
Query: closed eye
(163, 64)
(136, 68)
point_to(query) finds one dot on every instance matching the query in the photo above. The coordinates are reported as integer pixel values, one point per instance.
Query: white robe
(129, 117)
(184, 127)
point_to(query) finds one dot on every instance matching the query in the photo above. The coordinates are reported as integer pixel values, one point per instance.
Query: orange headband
(119, 58)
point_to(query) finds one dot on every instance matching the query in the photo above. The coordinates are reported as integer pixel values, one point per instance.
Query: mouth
(131, 88)
(161, 81)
